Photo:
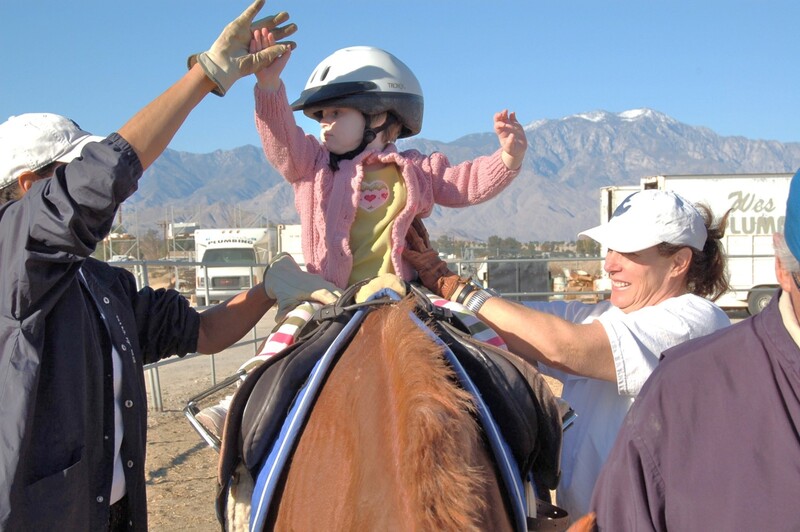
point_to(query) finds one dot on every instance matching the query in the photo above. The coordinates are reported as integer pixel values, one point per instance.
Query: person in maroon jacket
(713, 440)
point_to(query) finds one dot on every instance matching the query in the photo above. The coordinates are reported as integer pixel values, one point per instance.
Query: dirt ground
(181, 468)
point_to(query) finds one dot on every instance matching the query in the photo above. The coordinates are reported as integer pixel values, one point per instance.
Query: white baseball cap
(31, 141)
(648, 218)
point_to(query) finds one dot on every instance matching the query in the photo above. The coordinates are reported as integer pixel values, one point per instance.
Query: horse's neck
(391, 442)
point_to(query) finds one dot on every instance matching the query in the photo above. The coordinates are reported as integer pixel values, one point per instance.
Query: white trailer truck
(282, 238)
(229, 262)
(757, 204)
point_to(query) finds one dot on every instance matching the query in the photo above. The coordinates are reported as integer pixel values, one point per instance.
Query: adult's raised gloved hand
(287, 284)
(229, 58)
(432, 270)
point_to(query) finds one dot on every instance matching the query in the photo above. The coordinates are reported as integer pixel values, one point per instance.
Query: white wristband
(478, 298)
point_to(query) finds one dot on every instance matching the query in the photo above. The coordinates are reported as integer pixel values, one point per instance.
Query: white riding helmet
(368, 79)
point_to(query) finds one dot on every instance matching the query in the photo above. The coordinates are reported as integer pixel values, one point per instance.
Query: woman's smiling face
(642, 278)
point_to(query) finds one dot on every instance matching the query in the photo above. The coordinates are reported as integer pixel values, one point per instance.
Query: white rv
(282, 238)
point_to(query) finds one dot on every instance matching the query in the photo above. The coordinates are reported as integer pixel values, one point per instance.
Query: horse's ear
(587, 523)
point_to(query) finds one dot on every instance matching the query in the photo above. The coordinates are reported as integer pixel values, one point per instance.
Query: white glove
(287, 284)
(229, 57)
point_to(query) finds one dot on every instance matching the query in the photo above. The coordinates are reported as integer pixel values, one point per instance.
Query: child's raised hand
(512, 138)
(268, 78)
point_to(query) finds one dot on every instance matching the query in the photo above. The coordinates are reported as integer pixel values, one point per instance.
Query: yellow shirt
(382, 197)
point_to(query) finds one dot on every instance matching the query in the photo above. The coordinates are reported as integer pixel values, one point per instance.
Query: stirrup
(191, 409)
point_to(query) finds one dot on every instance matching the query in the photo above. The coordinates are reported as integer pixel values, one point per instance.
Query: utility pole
(164, 226)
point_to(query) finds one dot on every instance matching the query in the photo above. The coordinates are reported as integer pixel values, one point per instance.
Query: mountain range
(555, 196)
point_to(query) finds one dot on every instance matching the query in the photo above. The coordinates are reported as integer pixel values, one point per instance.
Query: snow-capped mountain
(554, 197)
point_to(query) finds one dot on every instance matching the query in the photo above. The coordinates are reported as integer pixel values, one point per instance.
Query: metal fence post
(155, 388)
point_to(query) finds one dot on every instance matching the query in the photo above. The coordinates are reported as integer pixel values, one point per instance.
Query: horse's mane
(434, 426)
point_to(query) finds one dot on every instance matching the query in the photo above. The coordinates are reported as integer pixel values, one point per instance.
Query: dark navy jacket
(713, 439)
(59, 314)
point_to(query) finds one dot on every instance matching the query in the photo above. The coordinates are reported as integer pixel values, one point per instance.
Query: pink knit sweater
(327, 201)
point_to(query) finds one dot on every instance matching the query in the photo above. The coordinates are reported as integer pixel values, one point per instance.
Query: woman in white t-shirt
(664, 258)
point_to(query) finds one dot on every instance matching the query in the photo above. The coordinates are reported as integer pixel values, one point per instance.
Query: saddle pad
(286, 332)
(274, 383)
(275, 391)
(283, 446)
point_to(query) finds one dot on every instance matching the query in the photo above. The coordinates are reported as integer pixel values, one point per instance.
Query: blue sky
(728, 65)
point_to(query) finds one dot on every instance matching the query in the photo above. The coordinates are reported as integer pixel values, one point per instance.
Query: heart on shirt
(373, 195)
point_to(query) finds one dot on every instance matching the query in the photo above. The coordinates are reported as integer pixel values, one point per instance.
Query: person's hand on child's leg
(512, 138)
(288, 285)
(269, 78)
(433, 271)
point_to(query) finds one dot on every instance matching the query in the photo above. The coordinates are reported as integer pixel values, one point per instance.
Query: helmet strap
(369, 135)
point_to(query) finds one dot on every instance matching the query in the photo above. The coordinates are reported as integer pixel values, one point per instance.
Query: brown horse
(391, 444)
